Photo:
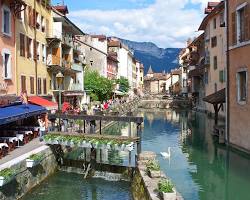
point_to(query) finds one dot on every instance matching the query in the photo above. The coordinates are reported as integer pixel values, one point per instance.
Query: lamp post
(59, 79)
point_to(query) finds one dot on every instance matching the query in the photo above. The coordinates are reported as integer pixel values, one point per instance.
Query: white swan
(166, 154)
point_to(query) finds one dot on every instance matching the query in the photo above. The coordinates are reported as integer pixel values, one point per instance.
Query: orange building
(239, 65)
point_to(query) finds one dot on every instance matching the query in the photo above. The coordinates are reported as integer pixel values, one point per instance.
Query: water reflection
(200, 168)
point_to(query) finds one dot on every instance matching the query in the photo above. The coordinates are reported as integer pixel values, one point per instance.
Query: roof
(217, 97)
(62, 9)
(150, 71)
(219, 7)
(49, 105)
(196, 40)
(99, 37)
(114, 43)
(13, 113)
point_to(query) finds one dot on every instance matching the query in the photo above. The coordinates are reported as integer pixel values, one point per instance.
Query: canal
(199, 167)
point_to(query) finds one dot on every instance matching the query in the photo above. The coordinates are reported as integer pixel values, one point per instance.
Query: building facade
(32, 26)
(7, 46)
(215, 40)
(65, 54)
(239, 66)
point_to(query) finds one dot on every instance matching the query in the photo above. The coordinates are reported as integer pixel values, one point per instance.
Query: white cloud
(165, 22)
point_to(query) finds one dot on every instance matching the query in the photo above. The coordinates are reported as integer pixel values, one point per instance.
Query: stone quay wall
(27, 178)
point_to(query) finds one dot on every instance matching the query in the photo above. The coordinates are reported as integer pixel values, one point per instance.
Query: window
(241, 22)
(43, 53)
(214, 23)
(39, 86)
(215, 63)
(22, 44)
(29, 47)
(6, 21)
(37, 18)
(206, 78)
(44, 86)
(242, 86)
(214, 42)
(32, 85)
(221, 76)
(38, 50)
(23, 83)
(222, 19)
(42, 24)
(7, 64)
(215, 87)
(20, 15)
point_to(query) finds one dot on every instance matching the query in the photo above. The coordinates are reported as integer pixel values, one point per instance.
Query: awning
(13, 113)
(217, 97)
(73, 93)
(119, 93)
(49, 105)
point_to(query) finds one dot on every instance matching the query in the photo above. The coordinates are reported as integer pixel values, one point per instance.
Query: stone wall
(28, 178)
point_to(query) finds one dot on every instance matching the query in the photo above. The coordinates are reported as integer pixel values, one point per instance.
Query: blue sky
(167, 23)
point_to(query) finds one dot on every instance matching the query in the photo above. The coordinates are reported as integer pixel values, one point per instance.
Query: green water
(69, 186)
(199, 167)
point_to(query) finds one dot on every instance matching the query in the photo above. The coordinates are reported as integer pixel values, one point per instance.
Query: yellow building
(32, 26)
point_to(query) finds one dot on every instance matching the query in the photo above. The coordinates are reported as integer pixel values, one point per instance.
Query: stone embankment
(144, 187)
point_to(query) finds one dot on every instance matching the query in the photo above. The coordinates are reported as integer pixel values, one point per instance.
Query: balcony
(66, 64)
(76, 46)
(75, 87)
(77, 67)
(67, 40)
(53, 60)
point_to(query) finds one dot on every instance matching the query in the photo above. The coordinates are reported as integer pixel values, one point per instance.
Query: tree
(100, 87)
(123, 83)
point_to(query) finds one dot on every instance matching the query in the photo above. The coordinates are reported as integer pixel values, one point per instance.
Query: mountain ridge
(150, 54)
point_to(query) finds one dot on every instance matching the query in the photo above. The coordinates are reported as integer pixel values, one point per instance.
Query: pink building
(7, 48)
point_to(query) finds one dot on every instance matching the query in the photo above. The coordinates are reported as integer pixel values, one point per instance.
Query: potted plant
(166, 189)
(6, 176)
(129, 146)
(153, 169)
(33, 160)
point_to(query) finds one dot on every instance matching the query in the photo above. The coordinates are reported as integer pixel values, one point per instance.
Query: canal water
(199, 167)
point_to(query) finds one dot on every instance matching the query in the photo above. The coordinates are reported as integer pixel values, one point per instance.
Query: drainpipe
(35, 49)
(227, 71)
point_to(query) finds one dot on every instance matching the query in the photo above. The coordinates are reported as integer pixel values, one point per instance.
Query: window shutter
(234, 29)
(34, 50)
(9, 67)
(28, 47)
(30, 15)
(34, 18)
(247, 22)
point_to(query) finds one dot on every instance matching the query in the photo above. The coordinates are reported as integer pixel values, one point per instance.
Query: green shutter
(221, 76)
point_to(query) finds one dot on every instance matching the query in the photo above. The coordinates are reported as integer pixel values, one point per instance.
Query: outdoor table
(28, 134)
(11, 141)
(20, 138)
(3, 149)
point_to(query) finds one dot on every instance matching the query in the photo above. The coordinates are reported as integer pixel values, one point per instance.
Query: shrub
(165, 186)
(153, 165)
(7, 173)
(36, 157)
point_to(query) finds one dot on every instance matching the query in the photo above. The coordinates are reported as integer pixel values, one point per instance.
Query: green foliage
(100, 87)
(7, 173)
(36, 157)
(153, 165)
(124, 84)
(165, 186)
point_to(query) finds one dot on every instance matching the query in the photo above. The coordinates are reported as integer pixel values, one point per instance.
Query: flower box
(32, 163)
(169, 196)
(5, 180)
